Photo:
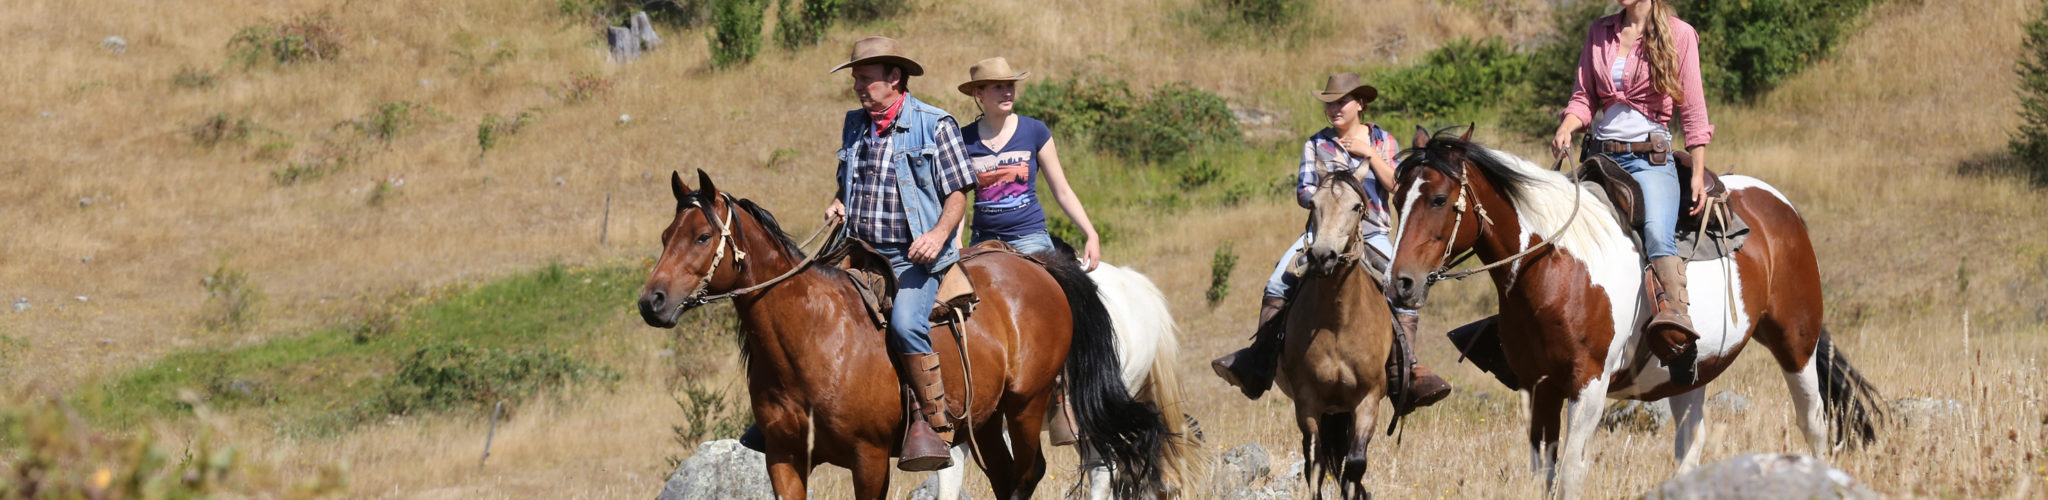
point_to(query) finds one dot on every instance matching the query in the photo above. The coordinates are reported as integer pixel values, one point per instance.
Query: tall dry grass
(1866, 144)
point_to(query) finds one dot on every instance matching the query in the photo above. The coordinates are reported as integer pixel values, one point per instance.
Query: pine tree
(2030, 145)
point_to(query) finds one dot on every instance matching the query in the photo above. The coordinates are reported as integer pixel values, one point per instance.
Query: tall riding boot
(1673, 323)
(1063, 430)
(1251, 369)
(1424, 387)
(927, 438)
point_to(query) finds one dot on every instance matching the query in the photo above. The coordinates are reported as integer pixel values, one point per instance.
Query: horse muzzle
(1407, 290)
(659, 309)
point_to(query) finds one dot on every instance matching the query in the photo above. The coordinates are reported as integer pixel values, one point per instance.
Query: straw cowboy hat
(1346, 84)
(880, 50)
(994, 69)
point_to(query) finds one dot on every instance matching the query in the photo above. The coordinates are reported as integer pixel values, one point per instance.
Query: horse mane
(761, 215)
(1542, 198)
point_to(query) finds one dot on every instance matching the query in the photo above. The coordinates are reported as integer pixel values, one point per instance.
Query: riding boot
(1063, 430)
(926, 441)
(1251, 369)
(1672, 323)
(1424, 386)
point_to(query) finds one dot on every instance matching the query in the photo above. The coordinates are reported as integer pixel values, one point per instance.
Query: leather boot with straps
(1676, 341)
(929, 432)
(1423, 387)
(1252, 369)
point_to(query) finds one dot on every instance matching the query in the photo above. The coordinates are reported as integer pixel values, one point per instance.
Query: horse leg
(1806, 403)
(1306, 420)
(995, 457)
(789, 456)
(1585, 418)
(1029, 460)
(870, 472)
(1355, 462)
(1544, 416)
(1095, 472)
(1689, 410)
(951, 478)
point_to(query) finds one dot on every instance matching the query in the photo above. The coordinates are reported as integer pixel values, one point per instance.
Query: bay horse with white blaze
(1568, 288)
(821, 382)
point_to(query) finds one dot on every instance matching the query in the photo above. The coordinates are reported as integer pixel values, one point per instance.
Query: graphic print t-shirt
(1006, 204)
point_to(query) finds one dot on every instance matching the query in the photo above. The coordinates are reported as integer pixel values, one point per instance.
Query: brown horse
(1568, 315)
(821, 382)
(1339, 333)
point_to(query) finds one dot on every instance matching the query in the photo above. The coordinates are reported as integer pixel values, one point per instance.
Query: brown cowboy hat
(1346, 84)
(879, 50)
(994, 69)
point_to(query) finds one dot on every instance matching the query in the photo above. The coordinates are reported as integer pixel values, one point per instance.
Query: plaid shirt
(1322, 153)
(874, 211)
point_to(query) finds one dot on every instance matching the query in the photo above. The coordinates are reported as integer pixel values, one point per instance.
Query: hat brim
(910, 68)
(968, 88)
(1366, 94)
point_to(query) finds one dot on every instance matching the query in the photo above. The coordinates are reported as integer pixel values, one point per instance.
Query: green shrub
(706, 414)
(803, 25)
(50, 453)
(2029, 145)
(332, 157)
(1748, 47)
(866, 11)
(735, 35)
(1455, 82)
(1220, 266)
(1263, 13)
(1552, 68)
(307, 38)
(1175, 119)
(494, 128)
(390, 120)
(453, 375)
(231, 300)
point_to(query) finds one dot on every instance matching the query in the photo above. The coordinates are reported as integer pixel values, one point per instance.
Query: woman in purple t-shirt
(1007, 153)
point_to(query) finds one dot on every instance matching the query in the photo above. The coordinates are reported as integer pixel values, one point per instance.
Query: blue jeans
(1029, 243)
(910, 321)
(1278, 285)
(1661, 192)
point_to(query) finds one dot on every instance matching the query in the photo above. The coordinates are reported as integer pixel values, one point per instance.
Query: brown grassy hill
(1867, 144)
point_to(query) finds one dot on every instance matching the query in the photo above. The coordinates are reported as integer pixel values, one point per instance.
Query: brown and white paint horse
(821, 382)
(1568, 311)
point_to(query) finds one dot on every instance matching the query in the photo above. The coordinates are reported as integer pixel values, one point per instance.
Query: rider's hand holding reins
(1561, 142)
(1699, 179)
(836, 212)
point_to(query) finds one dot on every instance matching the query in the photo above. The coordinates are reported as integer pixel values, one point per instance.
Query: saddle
(1625, 196)
(875, 280)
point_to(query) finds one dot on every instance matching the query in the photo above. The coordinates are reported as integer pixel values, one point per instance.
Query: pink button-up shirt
(1594, 90)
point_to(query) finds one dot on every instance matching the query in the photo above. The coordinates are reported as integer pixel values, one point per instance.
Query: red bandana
(887, 116)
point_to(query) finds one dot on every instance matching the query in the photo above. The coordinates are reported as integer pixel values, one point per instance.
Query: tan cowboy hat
(994, 69)
(879, 50)
(1346, 84)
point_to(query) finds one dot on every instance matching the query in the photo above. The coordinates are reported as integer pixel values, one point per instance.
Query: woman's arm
(1305, 176)
(1049, 161)
(1579, 111)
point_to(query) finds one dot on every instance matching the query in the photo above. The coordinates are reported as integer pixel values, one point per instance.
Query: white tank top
(1620, 122)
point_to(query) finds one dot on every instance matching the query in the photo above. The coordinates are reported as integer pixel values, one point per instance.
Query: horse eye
(1358, 207)
(704, 237)
(1439, 201)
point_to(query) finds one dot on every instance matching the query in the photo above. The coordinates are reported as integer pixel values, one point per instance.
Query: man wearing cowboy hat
(1367, 151)
(903, 182)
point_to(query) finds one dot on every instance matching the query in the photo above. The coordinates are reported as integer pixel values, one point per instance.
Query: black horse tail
(1850, 399)
(1128, 433)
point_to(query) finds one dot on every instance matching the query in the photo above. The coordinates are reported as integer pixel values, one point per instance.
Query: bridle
(697, 296)
(1464, 189)
(1353, 251)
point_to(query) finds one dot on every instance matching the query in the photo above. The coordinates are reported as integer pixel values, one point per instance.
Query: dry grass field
(114, 211)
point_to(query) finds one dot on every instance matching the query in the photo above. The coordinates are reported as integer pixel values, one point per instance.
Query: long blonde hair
(1663, 49)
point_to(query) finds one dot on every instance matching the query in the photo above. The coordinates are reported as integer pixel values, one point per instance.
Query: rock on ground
(1763, 475)
(1636, 416)
(721, 470)
(1728, 403)
(1245, 473)
(1919, 413)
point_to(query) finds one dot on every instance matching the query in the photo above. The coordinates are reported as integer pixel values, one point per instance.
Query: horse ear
(675, 183)
(1421, 137)
(704, 187)
(1468, 132)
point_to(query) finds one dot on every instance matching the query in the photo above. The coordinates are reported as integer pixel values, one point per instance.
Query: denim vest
(916, 158)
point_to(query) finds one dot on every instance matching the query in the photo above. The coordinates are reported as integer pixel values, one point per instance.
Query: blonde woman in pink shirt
(1640, 69)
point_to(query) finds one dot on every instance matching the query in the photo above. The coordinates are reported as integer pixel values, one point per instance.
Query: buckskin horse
(1567, 279)
(822, 385)
(1339, 334)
